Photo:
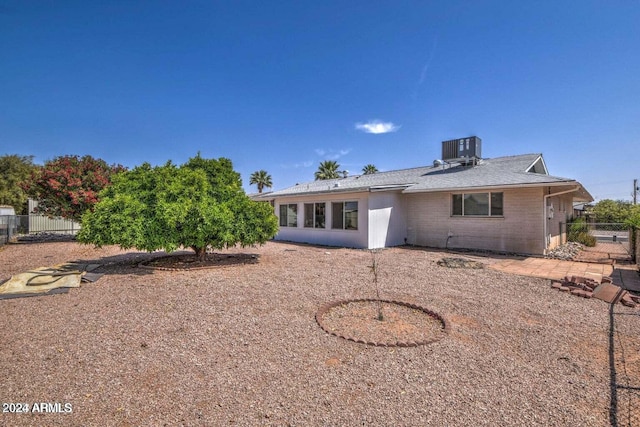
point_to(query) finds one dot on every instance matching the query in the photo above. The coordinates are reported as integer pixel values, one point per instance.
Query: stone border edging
(152, 267)
(326, 307)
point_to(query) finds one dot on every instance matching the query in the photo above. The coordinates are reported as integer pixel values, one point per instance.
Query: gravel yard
(238, 344)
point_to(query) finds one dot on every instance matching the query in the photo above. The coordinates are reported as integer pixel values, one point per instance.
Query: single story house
(507, 204)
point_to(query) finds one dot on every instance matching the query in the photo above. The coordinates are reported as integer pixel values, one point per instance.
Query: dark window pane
(319, 218)
(496, 204)
(308, 214)
(336, 216)
(351, 215)
(292, 215)
(283, 215)
(476, 204)
(456, 203)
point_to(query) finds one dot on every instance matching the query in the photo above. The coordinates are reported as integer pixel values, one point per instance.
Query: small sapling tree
(375, 270)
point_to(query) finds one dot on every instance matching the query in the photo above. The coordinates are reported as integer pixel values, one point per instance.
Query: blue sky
(282, 85)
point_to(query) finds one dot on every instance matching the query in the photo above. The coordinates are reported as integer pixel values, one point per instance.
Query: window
(477, 204)
(344, 215)
(288, 215)
(314, 215)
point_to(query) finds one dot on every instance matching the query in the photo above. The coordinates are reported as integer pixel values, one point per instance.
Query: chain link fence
(624, 366)
(8, 228)
(610, 232)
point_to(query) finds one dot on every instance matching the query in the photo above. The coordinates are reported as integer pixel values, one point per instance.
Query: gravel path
(238, 345)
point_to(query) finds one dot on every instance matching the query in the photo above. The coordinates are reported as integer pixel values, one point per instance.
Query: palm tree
(369, 169)
(262, 179)
(327, 170)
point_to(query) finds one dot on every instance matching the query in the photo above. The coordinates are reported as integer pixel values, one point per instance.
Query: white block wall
(326, 236)
(387, 219)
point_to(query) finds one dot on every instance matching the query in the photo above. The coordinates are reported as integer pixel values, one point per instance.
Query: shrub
(579, 232)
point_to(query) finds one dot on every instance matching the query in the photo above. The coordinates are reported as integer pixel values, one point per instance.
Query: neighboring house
(508, 204)
(581, 210)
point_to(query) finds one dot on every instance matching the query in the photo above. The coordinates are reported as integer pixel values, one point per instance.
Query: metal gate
(611, 233)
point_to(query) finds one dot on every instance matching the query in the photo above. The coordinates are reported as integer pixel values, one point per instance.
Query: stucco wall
(326, 236)
(387, 219)
(562, 212)
(520, 230)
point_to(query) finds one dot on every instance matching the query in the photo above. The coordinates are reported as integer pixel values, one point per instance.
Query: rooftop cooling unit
(462, 149)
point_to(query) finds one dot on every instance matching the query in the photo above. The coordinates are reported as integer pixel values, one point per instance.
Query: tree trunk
(200, 252)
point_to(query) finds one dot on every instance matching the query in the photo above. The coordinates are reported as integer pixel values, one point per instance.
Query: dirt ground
(238, 344)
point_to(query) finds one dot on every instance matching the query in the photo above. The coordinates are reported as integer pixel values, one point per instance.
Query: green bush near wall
(578, 231)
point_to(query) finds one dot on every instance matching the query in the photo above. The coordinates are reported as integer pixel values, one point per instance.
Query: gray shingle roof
(498, 172)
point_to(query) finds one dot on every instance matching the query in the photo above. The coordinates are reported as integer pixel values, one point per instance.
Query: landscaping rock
(460, 263)
(566, 252)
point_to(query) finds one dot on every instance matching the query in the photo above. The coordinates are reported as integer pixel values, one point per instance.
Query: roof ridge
(512, 156)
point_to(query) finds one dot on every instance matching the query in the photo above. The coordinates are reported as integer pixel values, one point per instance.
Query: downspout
(544, 212)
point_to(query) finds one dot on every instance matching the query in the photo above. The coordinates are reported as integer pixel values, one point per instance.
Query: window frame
(287, 222)
(343, 215)
(313, 221)
(458, 202)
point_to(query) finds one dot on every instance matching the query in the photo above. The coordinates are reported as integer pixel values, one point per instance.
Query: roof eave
(321, 192)
(493, 187)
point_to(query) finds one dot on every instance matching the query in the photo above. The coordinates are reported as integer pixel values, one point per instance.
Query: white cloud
(305, 164)
(338, 154)
(377, 127)
(332, 154)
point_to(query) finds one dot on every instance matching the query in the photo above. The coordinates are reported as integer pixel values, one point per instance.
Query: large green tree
(634, 216)
(611, 211)
(198, 205)
(327, 169)
(14, 169)
(262, 179)
(67, 186)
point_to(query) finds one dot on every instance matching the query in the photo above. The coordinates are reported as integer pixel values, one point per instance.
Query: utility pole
(635, 191)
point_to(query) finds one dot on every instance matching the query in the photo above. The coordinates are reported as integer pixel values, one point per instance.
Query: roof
(519, 171)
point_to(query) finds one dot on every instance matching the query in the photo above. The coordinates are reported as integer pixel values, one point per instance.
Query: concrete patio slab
(552, 269)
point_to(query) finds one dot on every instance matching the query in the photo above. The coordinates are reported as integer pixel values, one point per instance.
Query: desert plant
(327, 169)
(262, 179)
(369, 169)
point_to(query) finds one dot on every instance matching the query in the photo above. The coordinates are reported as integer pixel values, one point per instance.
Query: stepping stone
(608, 292)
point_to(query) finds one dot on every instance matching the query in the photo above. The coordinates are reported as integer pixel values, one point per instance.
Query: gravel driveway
(238, 345)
